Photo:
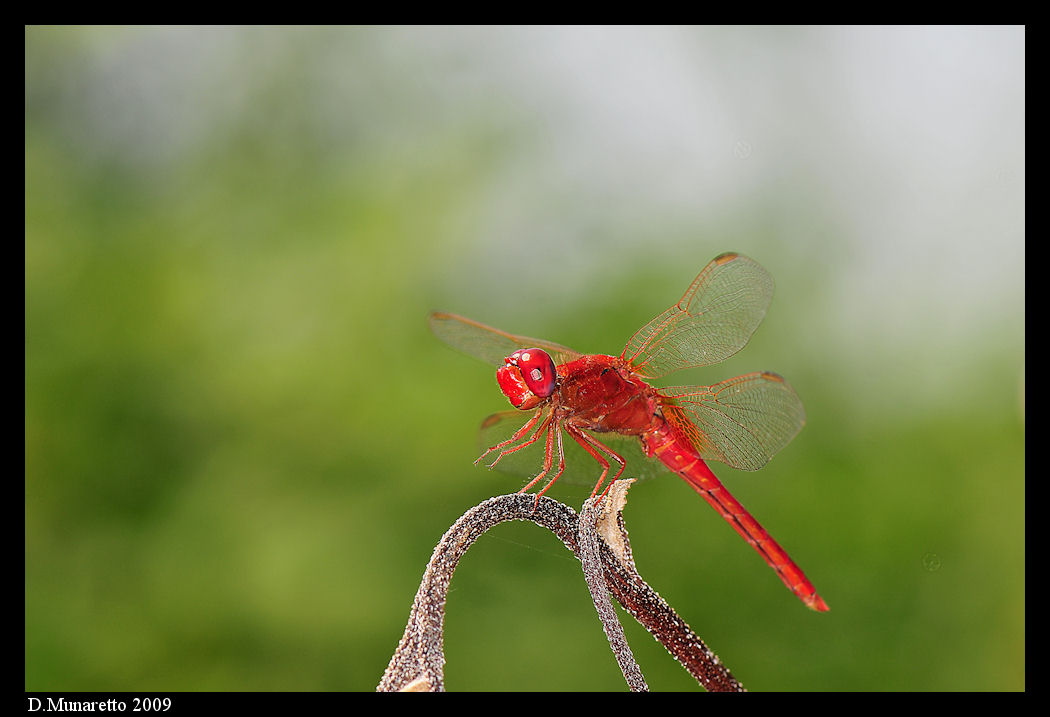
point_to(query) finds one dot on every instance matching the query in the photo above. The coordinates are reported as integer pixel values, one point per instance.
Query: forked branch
(597, 537)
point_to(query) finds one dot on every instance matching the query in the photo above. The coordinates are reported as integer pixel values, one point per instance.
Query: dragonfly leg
(561, 460)
(595, 447)
(517, 436)
(548, 460)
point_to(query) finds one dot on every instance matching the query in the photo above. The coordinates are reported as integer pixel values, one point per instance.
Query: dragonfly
(596, 399)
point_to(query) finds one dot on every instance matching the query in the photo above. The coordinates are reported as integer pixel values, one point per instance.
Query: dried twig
(594, 518)
(598, 538)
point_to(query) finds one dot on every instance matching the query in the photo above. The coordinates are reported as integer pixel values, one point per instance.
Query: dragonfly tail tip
(816, 602)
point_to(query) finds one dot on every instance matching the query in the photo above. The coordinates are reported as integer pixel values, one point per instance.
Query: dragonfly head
(527, 377)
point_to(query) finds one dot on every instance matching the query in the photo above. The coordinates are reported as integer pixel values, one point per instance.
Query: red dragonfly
(741, 422)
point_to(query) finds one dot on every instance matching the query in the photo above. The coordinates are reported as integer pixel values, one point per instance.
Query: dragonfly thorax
(603, 395)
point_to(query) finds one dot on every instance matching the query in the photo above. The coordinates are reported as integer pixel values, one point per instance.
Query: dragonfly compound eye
(527, 377)
(537, 369)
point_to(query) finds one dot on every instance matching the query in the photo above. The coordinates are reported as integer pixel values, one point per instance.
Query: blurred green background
(242, 443)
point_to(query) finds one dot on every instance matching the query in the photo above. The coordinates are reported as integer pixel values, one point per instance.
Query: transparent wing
(715, 318)
(488, 344)
(742, 422)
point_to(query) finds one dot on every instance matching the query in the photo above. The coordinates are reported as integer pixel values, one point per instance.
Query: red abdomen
(678, 454)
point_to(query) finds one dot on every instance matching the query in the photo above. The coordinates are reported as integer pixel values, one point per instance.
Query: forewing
(714, 319)
(742, 422)
(488, 344)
